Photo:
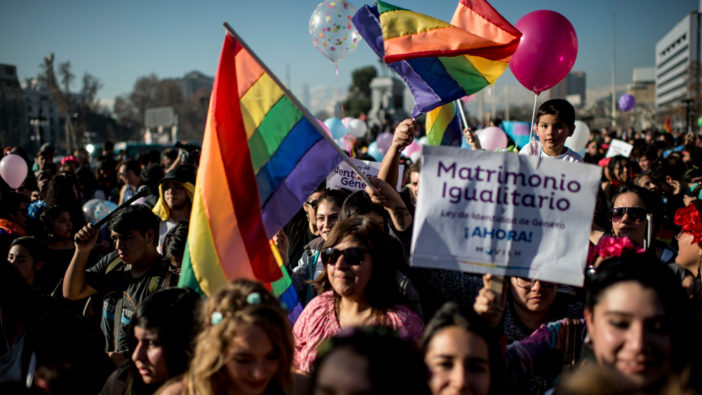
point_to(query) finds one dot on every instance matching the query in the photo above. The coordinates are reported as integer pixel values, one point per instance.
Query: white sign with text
(618, 147)
(502, 213)
(343, 175)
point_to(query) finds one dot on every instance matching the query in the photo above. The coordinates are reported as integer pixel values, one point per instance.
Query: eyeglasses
(312, 203)
(528, 283)
(636, 214)
(353, 256)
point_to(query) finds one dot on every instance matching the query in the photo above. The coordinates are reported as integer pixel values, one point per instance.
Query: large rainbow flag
(439, 61)
(262, 155)
(443, 127)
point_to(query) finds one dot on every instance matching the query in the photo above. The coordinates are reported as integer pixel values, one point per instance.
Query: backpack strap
(113, 264)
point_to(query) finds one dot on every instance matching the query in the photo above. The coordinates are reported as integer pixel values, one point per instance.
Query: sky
(120, 41)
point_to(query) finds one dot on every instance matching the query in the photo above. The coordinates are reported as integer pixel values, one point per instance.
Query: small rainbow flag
(666, 126)
(440, 62)
(443, 127)
(262, 155)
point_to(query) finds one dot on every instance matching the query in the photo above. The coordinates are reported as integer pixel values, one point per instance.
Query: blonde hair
(233, 307)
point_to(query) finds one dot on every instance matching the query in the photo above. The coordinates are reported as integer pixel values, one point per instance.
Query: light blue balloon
(375, 152)
(337, 128)
(96, 209)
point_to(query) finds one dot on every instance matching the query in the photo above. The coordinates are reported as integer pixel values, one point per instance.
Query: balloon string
(338, 84)
(533, 114)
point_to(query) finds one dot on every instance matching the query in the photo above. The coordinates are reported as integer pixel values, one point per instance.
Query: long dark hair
(172, 314)
(382, 291)
(450, 314)
(394, 365)
(649, 273)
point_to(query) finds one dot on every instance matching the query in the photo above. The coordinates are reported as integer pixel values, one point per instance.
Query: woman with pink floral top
(356, 288)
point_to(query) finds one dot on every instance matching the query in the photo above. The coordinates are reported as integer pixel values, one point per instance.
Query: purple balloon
(626, 102)
(546, 52)
(384, 141)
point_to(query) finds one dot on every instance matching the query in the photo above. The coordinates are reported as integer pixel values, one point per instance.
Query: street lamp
(39, 123)
(689, 103)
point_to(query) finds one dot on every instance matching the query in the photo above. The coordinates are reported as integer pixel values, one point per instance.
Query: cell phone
(497, 285)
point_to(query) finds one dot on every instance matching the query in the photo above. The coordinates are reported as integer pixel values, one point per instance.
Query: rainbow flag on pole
(443, 127)
(440, 62)
(262, 155)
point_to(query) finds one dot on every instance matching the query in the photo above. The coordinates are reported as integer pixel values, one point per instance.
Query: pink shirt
(318, 322)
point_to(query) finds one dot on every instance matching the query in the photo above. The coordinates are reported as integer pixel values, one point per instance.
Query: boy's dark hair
(135, 217)
(149, 157)
(133, 166)
(170, 153)
(359, 203)
(174, 241)
(34, 245)
(151, 175)
(559, 108)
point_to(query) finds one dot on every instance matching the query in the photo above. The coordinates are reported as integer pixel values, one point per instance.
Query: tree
(358, 99)
(150, 92)
(76, 110)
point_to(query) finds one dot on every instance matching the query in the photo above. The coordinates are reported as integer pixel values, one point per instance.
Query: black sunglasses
(634, 213)
(352, 256)
(312, 203)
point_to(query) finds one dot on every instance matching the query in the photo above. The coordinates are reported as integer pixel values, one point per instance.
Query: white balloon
(580, 137)
(357, 128)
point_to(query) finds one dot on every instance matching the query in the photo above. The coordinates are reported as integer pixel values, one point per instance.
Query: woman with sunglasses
(631, 216)
(356, 288)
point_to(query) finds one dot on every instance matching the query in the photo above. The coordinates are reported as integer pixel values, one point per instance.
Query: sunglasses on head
(634, 213)
(352, 256)
(312, 203)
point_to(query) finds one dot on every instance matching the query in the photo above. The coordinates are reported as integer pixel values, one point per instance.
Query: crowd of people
(91, 310)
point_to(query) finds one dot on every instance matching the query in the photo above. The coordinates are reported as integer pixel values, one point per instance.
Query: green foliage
(358, 99)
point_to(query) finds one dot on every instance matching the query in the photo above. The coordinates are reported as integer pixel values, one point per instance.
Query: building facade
(572, 88)
(677, 63)
(42, 116)
(13, 125)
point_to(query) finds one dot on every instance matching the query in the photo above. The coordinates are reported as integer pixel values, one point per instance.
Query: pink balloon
(492, 138)
(546, 52)
(412, 148)
(384, 141)
(13, 169)
(468, 98)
